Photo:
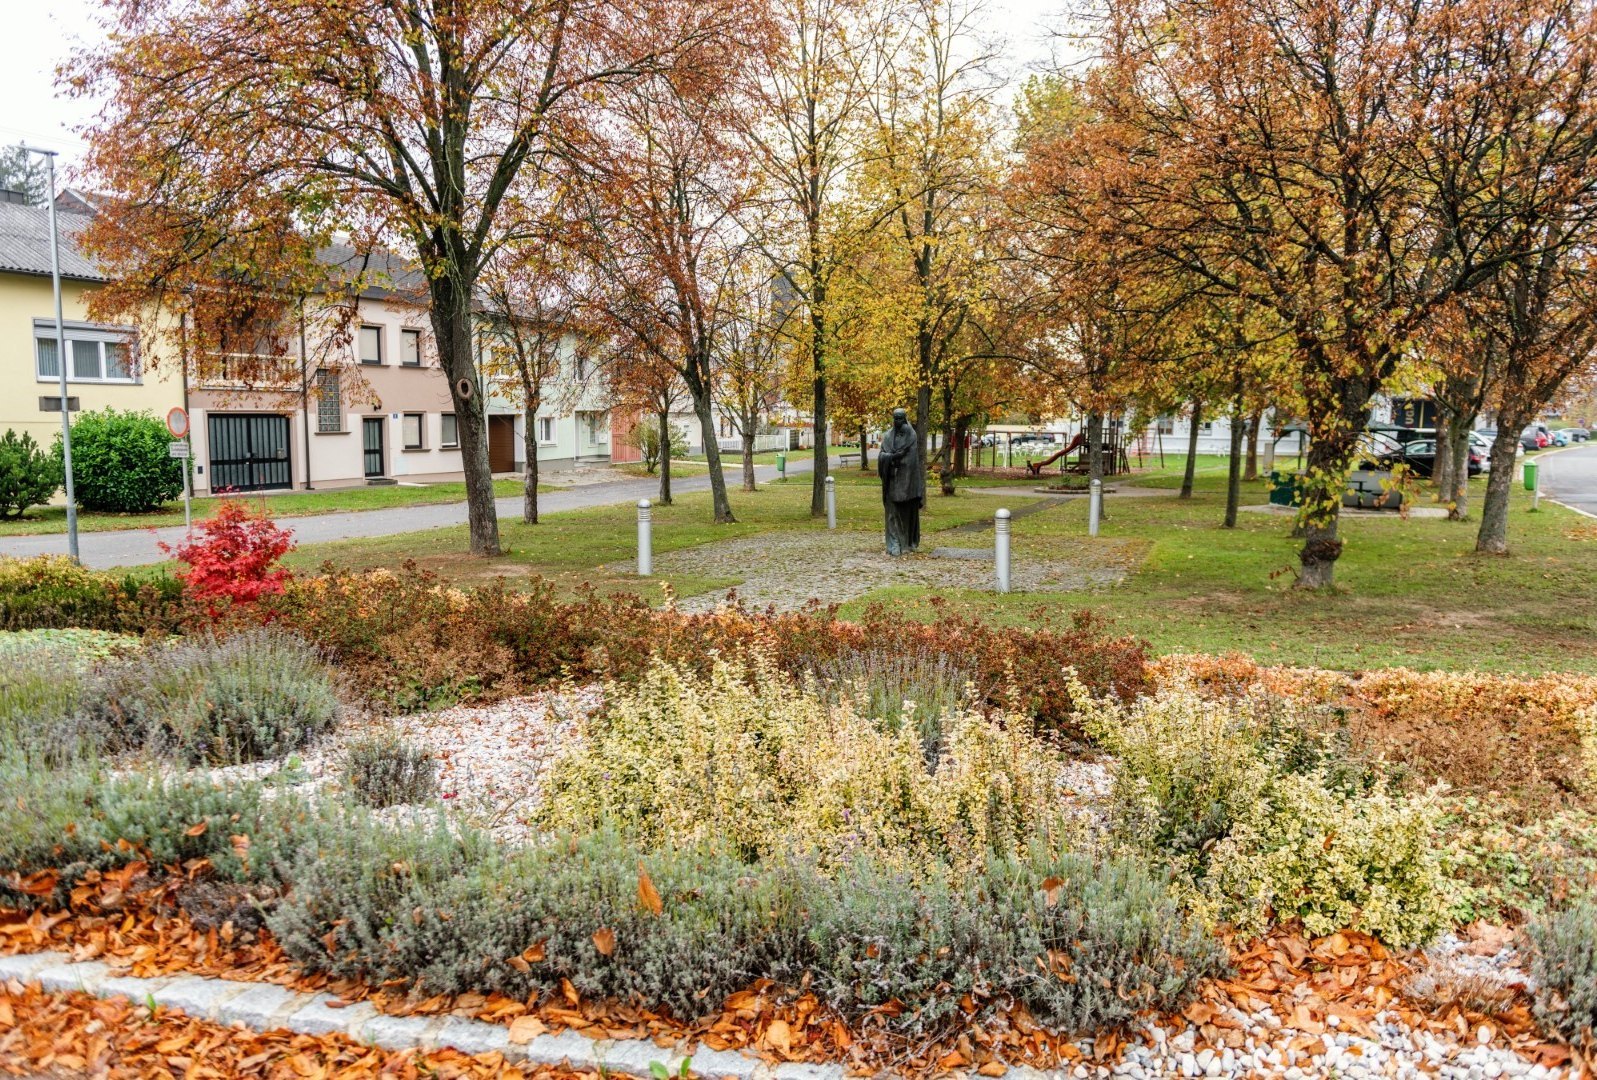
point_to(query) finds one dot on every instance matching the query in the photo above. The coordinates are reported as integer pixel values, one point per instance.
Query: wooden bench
(845, 460)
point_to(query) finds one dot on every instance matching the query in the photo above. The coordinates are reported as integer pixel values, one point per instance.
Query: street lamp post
(60, 356)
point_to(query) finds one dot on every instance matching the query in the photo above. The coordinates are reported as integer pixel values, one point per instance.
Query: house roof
(25, 243)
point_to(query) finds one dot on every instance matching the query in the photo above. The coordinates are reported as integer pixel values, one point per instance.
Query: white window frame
(408, 337)
(444, 441)
(421, 430)
(44, 331)
(360, 345)
(546, 431)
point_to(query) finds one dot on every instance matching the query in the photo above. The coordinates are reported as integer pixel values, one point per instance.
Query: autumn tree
(526, 336)
(665, 184)
(752, 362)
(804, 130)
(408, 124)
(1339, 163)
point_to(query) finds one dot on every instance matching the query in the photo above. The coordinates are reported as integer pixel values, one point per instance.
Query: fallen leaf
(604, 939)
(648, 896)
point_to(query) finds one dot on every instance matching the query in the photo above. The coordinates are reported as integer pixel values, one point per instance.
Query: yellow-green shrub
(1189, 766)
(1263, 819)
(748, 759)
(1372, 862)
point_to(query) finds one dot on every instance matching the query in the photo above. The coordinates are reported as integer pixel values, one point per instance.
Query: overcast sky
(39, 34)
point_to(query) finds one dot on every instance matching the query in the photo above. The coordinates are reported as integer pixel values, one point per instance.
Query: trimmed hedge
(121, 464)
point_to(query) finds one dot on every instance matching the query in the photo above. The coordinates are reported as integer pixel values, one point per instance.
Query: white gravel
(491, 758)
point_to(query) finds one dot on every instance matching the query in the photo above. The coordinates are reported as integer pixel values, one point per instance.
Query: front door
(371, 429)
(249, 452)
(502, 444)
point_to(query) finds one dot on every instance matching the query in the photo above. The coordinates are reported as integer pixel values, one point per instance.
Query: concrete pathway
(1570, 477)
(139, 547)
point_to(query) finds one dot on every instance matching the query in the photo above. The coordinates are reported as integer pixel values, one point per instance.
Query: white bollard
(1094, 507)
(1001, 548)
(831, 502)
(645, 540)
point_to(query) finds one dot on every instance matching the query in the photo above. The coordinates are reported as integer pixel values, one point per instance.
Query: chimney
(8, 195)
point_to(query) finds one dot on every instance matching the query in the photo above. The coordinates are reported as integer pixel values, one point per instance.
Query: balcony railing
(248, 371)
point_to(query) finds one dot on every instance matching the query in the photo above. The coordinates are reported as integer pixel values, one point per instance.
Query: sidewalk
(139, 547)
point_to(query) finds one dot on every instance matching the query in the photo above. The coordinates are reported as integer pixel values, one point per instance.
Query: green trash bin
(1530, 476)
(781, 463)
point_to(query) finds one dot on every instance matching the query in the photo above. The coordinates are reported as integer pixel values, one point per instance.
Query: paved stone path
(139, 547)
(788, 570)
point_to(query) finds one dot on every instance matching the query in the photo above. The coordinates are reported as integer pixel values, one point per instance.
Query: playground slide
(1036, 467)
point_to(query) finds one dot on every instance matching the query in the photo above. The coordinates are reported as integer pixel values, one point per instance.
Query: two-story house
(103, 365)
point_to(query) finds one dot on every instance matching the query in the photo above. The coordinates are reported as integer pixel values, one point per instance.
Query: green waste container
(781, 463)
(1530, 476)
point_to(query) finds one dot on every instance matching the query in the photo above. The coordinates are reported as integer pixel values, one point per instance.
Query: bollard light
(645, 539)
(1001, 548)
(831, 502)
(1095, 507)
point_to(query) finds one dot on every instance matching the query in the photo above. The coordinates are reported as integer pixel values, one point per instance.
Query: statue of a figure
(903, 485)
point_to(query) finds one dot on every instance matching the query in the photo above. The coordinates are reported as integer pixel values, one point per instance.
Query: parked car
(1577, 434)
(1420, 457)
(1561, 437)
(1535, 437)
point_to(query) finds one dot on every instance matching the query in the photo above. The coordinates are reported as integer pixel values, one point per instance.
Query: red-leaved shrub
(235, 559)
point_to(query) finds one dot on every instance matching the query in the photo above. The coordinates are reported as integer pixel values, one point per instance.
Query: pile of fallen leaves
(1352, 977)
(87, 1036)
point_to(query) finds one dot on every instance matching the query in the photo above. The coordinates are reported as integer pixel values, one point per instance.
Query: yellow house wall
(24, 298)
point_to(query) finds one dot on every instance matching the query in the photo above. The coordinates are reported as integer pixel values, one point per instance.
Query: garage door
(249, 452)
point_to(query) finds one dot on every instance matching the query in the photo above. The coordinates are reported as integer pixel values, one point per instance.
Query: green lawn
(53, 519)
(1409, 592)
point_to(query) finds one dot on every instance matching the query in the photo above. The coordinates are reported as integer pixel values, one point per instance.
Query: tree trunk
(1458, 497)
(529, 478)
(962, 448)
(1192, 449)
(945, 453)
(923, 420)
(1328, 460)
(722, 506)
(818, 365)
(1233, 477)
(1094, 446)
(1493, 536)
(748, 457)
(1442, 470)
(864, 450)
(1254, 423)
(452, 326)
(665, 458)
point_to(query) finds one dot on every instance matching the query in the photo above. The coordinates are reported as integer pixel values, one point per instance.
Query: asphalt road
(1570, 476)
(139, 547)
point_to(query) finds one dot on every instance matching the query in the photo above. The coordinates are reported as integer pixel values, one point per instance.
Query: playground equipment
(1114, 455)
(1036, 467)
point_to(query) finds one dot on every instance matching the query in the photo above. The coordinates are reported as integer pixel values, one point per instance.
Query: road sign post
(177, 422)
(180, 451)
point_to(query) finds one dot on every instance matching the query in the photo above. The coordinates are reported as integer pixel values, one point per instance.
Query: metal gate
(372, 442)
(249, 452)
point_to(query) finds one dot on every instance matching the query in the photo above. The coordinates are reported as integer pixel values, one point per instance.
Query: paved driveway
(1570, 476)
(138, 547)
